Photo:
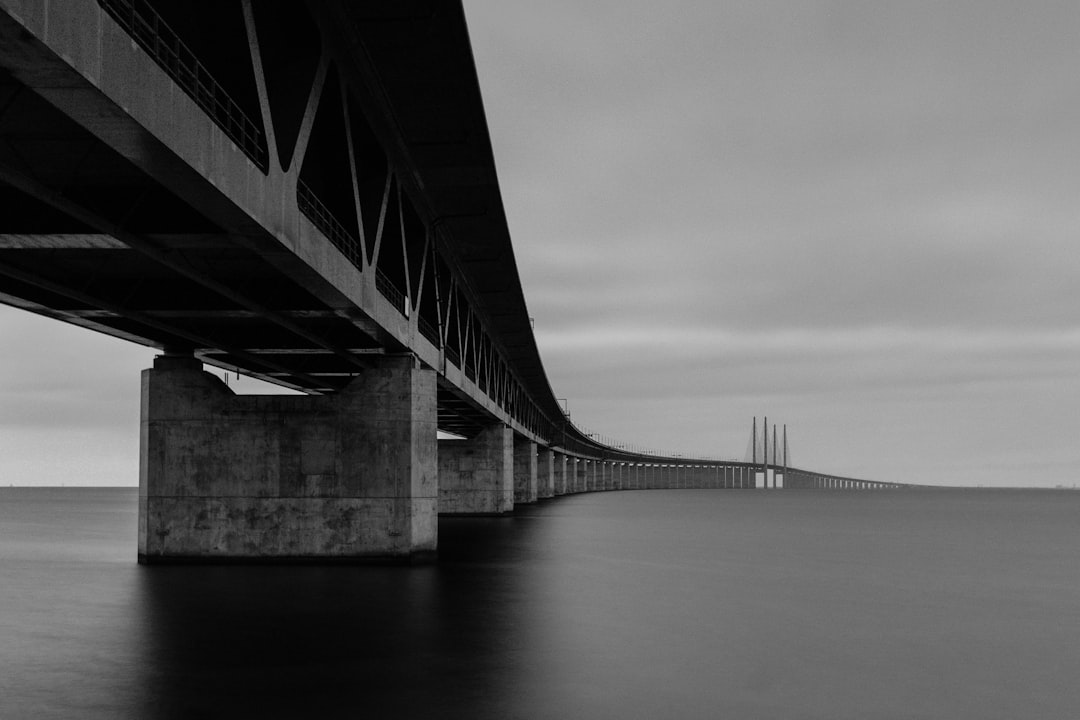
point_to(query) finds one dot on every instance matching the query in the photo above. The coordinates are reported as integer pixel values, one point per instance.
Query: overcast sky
(858, 218)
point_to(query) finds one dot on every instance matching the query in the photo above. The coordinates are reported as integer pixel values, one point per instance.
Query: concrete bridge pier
(525, 482)
(476, 476)
(559, 473)
(581, 475)
(349, 476)
(545, 473)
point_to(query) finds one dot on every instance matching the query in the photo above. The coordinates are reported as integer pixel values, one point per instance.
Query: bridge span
(304, 193)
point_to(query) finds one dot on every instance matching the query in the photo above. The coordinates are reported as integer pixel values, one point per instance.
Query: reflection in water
(338, 641)
(688, 604)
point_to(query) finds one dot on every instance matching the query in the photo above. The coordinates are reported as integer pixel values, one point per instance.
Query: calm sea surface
(655, 604)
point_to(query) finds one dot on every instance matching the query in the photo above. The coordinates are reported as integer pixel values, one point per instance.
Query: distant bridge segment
(304, 193)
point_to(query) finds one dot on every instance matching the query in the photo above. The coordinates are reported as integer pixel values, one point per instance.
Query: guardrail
(429, 331)
(322, 218)
(161, 42)
(390, 291)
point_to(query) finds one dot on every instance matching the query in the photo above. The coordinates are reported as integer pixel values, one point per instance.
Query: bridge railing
(161, 42)
(322, 218)
(428, 331)
(453, 356)
(389, 290)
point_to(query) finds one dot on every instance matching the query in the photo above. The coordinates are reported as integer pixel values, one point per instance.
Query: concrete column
(524, 471)
(581, 475)
(476, 476)
(545, 473)
(349, 476)
(559, 473)
(607, 476)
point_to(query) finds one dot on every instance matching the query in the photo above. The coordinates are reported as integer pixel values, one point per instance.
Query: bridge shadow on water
(277, 641)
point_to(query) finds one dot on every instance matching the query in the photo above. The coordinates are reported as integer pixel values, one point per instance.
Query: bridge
(303, 193)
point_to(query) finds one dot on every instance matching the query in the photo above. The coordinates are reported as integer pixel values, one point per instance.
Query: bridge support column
(524, 471)
(581, 475)
(226, 477)
(476, 476)
(545, 473)
(559, 473)
(606, 479)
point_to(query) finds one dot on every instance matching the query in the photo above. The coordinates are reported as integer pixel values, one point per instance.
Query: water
(681, 604)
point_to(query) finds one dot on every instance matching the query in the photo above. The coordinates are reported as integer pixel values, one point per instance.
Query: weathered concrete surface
(476, 476)
(559, 472)
(524, 471)
(581, 476)
(545, 473)
(348, 476)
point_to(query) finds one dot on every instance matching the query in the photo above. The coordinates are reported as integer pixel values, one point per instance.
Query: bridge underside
(305, 193)
(88, 238)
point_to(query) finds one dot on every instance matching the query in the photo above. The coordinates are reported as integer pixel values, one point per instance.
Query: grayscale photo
(581, 359)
